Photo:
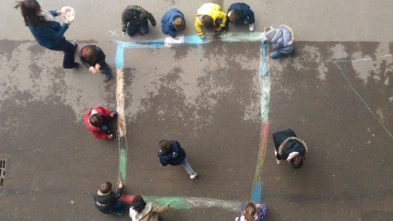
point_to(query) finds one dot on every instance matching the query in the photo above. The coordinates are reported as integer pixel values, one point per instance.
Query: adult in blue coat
(47, 31)
(281, 38)
(171, 153)
(173, 21)
(240, 13)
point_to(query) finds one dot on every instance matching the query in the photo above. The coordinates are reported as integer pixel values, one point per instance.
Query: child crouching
(94, 59)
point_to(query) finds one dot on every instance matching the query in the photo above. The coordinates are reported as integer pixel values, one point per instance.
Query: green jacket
(140, 18)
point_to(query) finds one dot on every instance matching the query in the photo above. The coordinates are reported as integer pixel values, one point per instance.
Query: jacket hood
(164, 156)
(138, 216)
(99, 193)
(281, 147)
(271, 34)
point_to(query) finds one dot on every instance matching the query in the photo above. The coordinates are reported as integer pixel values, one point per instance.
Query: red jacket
(96, 131)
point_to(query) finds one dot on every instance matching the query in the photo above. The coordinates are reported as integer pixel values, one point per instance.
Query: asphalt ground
(334, 91)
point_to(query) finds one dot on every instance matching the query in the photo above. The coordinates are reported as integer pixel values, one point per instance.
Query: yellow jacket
(214, 11)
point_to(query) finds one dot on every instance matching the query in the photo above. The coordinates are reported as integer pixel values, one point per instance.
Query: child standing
(171, 153)
(106, 200)
(240, 12)
(96, 120)
(173, 21)
(94, 59)
(210, 16)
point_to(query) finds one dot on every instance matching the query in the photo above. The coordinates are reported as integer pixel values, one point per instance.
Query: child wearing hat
(282, 39)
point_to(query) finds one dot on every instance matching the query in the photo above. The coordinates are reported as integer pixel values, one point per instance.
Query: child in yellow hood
(210, 16)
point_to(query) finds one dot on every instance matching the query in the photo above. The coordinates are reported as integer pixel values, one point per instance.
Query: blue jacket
(49, 34)
(166, 21)
(169, 158)
(281, 41)
(244, 10)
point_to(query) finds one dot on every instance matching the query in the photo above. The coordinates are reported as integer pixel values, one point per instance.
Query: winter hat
(271, 33)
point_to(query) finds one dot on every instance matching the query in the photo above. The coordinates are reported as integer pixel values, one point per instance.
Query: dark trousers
(142, 28)
(69, 51)
(118, 206)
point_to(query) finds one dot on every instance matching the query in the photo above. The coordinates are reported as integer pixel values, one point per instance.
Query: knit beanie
(271, 33)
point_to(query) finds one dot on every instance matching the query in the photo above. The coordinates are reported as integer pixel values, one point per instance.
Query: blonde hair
(178, 23)
(267, 28)
(249, 211)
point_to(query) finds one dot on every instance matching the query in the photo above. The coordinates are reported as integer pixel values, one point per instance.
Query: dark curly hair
(138, 204)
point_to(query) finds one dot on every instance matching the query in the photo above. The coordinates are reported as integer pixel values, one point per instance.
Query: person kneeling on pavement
(106, 200)
(289, 147)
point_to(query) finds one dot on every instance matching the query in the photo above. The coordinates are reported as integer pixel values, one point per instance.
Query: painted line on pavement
(190, 202)
(264, 79)
(336, 63)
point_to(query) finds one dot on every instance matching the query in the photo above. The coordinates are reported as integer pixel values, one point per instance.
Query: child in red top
(96, 120)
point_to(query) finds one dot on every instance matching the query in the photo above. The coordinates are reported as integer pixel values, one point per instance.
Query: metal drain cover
(2, 171)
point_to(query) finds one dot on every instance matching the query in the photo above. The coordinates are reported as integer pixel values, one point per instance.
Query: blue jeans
(106, 70)
(118, 206)
(218, 21)
(277, 54)
(142, 28)
(187, 166)
(69, 50)
(245, 21)
(105, 121)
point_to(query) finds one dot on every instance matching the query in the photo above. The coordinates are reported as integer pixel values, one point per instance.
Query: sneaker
(119, 213)
(114, 113)
(251, 26)
(107, 77)
(192, 176)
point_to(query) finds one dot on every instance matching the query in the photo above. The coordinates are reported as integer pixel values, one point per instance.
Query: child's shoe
(192, 176)
(251, 26)
(114, 113)
(107, 77)
(119, 213)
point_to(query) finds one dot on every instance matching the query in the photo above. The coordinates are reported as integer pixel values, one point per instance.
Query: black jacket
(100, 59)
(290, 145)
(105, 202)
(176, 157)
